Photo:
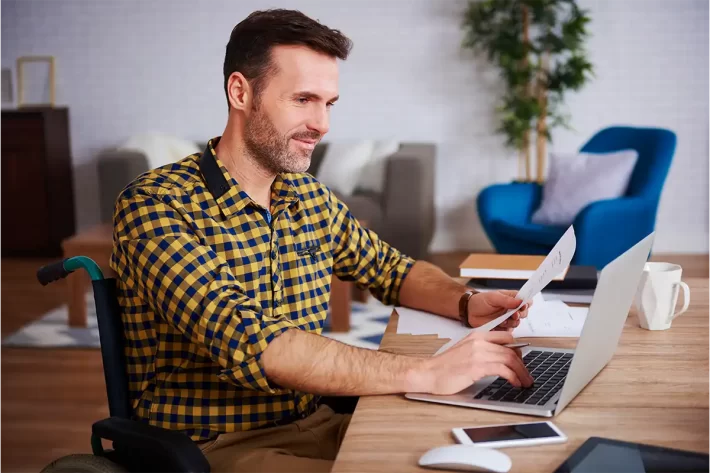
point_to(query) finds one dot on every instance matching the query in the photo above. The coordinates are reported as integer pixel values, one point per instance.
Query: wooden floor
(50, 397)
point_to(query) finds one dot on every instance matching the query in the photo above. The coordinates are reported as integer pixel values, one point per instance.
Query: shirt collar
(229, 195)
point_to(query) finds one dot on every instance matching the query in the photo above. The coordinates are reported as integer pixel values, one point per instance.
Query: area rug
(367, 325)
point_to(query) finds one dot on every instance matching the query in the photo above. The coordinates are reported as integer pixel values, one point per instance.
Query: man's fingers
(513, 359)
(510, 323)
(504, 328)
(504, 299)
(515, 363)
(499, 369)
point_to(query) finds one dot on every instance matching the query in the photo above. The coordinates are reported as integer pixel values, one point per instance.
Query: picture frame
(7, 95)
(21, 62)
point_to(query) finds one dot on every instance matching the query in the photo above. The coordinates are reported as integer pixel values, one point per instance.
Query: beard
(270, 149)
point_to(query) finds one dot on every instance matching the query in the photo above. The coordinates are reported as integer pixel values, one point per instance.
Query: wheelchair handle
(61, 269)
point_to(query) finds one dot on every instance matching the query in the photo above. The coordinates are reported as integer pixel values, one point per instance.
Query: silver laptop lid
(600, 335)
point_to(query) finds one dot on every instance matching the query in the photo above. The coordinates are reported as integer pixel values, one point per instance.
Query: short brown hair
(249, 47)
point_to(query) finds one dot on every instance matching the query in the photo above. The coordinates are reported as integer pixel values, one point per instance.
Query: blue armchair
(604, 229)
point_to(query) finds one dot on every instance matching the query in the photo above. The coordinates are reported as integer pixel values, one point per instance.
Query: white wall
(129, 66)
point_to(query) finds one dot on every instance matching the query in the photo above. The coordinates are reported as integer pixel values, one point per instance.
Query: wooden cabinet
(37, 184)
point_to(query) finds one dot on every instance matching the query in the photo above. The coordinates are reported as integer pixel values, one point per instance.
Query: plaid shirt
(207, 278)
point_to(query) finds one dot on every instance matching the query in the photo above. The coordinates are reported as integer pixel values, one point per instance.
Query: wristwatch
(463, 307)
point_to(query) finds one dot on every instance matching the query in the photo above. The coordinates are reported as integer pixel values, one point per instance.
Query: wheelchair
(137, 446)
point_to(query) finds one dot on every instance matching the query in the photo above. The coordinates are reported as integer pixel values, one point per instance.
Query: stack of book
(576, 284)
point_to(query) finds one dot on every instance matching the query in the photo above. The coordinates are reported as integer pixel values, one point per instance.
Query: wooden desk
(654, 390)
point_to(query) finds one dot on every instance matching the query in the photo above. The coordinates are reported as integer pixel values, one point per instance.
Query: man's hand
(486, 306)
(478, 355)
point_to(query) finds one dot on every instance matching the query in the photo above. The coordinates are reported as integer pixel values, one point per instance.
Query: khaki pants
(306, 445)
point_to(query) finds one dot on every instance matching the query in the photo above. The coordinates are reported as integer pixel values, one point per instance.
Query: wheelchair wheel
(83, 463)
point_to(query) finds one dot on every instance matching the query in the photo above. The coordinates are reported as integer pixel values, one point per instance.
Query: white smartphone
(510, 435)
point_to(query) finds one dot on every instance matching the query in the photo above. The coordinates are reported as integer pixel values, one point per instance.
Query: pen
(516, 345)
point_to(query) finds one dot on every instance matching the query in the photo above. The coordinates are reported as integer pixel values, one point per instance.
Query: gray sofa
(403, 215)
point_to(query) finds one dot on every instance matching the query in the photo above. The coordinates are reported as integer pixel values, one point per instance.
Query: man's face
(293, 109)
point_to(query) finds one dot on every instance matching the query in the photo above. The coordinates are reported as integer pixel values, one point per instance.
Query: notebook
(497, 266)
(578, 277)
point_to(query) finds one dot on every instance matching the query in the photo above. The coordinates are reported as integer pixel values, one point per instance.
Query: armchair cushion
(576, 181)
(508, 202)
(607, 228)
(604, 228)
(532, 232)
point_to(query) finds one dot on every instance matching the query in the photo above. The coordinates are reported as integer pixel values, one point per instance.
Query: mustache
(309, 136)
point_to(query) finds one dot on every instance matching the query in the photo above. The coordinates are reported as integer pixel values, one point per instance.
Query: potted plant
(539, 47)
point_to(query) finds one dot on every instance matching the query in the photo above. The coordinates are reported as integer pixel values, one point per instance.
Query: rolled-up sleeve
(360, 255)
(159, 257)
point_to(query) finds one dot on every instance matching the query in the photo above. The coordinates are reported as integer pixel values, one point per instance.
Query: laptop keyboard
(548, 369)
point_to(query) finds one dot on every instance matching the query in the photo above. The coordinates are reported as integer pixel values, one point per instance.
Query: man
(224, 262)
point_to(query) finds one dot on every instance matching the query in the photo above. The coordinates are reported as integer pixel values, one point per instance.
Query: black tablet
(611, 456)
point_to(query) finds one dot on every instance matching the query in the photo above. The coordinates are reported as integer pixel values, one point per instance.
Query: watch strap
(463, 307)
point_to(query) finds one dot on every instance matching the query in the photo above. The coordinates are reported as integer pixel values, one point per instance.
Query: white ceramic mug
(657, 295)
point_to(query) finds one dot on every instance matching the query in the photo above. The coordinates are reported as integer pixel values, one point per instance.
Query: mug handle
(686, 298)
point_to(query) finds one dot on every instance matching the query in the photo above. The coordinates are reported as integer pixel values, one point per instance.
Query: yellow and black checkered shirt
(207, 278)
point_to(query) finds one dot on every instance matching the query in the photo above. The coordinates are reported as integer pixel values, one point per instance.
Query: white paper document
(559, 258)
(416, 322)
(537, 301)
(552, 319)
(545, 319)
(553, 264)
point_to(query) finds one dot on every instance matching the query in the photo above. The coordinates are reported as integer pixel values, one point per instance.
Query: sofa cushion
(547, 235)
(364, 207)
(161, 148)
(342, 164)
(575, 181)
(372, 175)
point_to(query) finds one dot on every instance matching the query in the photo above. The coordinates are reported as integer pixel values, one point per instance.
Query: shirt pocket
(313, 261)
(311, 267)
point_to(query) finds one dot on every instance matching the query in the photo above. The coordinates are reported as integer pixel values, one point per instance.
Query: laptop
(560, 374)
